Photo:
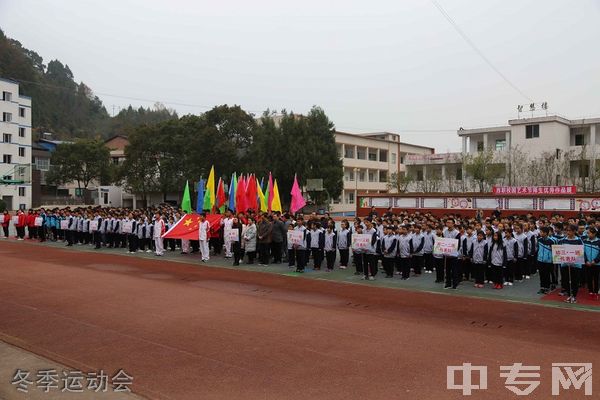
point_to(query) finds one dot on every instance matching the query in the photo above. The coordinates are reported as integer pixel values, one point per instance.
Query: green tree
(82, 162)
(399, 182)
(483, 170)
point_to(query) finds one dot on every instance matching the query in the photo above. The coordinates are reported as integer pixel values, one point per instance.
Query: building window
(349, 175)
(21, 191)
(479, 146)
(361, 153)
(361, 176)
(459, 174)
(21, 151)
(22, 207)
(6, 96)
(383, 155)
(7, 138)
(372, 177)
(21, 132)
(420, 175)
(348, 151)
(382, 176)
(6, 117)
(372, 154)
(500, 144)
(340, 150)
(7, 178)
(579, 140)
(42, 164)
(401, 159)
(22, 112)
(7, 159)
(532, 131)
(350, 198)
(393, 158)
(337, 200)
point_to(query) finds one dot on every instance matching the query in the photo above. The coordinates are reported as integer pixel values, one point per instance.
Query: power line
(172, 103)
(474, 47)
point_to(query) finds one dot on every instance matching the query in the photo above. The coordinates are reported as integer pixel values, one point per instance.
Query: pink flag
(297, 200)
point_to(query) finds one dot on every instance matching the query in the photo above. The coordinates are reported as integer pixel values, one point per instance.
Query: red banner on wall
(534, 190)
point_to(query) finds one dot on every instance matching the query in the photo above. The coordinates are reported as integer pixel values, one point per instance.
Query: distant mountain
(62, 106)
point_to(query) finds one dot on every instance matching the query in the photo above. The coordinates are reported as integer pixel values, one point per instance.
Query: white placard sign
(295, 237)
(361, 241)
(232, 234)
(15, 220)
(127, 226)
(64, 224)
(93, 226)
(1, 218)
(39, 221)
(445, 246)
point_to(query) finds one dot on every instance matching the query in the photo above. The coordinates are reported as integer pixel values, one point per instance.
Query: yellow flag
(261, 197)
(209, 195)
(276, 204)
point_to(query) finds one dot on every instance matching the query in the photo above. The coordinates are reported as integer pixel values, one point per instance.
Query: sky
(397, 66)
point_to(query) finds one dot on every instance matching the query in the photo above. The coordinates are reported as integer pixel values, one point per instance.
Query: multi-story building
(549, 150)
(370, 160)
(15, 148)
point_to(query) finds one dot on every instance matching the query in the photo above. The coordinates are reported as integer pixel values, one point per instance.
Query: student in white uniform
(159, 229)
(203, 231)
(227, 223)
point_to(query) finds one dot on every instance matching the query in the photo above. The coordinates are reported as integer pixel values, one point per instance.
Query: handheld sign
(39, 221)
(232, 234)
(1, 218)
(295, 237)
(361, 241)
(93, 226)
(15, 220)
(64, 224)
(567, 254)
(127, 226)
(445, 247)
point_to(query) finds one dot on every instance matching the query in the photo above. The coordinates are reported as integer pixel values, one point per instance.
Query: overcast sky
(372, 65)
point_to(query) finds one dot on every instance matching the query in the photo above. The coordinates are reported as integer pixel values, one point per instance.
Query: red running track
(197, 332)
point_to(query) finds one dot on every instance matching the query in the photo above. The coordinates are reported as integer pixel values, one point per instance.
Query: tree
(399, 182)
(483, 170)
(82, 162)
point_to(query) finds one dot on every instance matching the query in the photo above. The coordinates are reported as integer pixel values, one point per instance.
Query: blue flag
(200, 198)
(232, 188)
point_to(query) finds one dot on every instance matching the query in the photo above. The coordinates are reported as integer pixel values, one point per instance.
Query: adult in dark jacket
(278, 236)
(264, 232)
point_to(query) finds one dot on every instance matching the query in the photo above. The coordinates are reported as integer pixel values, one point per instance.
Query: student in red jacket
(5, 224)
(31, 228)
(21, 223)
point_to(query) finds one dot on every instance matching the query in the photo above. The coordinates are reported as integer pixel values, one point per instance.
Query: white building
(370, 160)
(15, 148)
(569, 149)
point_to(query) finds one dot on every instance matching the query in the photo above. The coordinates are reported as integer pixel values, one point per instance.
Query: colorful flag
(297, 200)
(276, 204)
(221, 196)
(200, 198)
(251, 195)
(186, 202)
(187, 227)
(262, 199)
(240, 195)
(232, 187)
(269, 193)
(209, 196)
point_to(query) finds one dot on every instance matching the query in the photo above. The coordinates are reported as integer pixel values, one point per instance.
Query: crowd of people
(496, 250)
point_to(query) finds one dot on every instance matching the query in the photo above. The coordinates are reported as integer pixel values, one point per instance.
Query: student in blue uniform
(592, 261)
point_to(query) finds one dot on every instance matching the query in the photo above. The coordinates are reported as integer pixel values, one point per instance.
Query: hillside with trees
(61, 105)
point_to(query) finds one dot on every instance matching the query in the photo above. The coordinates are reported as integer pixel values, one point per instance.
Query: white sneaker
(371, 278)
(527, 277)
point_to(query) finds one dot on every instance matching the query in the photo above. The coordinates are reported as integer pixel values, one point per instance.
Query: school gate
(466, 205)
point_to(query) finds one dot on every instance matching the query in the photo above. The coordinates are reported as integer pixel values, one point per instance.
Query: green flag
(186, 202)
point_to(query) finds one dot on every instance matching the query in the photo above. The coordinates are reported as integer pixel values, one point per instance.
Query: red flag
(220, 194)
(251, 194)
(240, 195)
(187, 227)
